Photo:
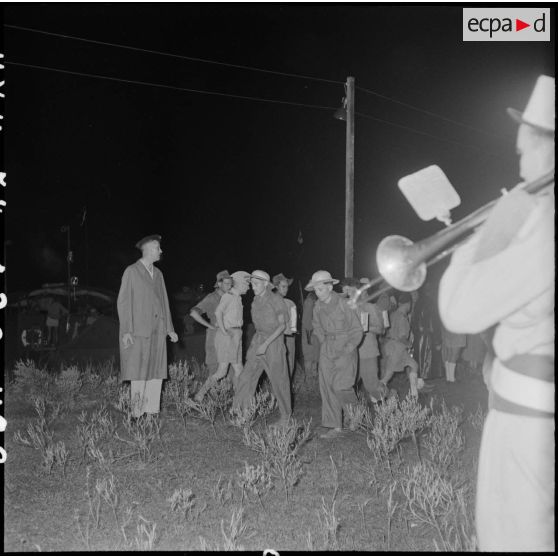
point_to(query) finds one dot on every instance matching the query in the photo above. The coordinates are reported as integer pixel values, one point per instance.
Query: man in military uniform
(207, 306)
(145, 322)
(228, 337)
(267, 348)
(339, 331)
(371, 319)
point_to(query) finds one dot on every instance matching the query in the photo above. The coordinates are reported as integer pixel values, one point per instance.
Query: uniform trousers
(337, 381)
(274, 363)
(368, 372)
(290, 345)
(515, 484)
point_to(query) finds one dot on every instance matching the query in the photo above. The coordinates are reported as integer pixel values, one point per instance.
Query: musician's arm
(476, 294)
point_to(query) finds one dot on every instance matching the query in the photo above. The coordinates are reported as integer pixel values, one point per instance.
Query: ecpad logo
(506, 24)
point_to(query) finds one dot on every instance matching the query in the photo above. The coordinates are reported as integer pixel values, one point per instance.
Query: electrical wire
(172, 87)
(429, 113)
(172, 55)
(255, 69)
(242, 97)
(414, 130)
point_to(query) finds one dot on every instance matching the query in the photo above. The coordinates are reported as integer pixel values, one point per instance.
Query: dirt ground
(42, 511)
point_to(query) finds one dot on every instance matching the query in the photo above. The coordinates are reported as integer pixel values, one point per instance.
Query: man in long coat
(339, 331)
(145, 322)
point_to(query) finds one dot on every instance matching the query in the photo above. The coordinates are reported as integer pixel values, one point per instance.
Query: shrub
(279, 448)
(255, 480)
(445, 441)
(435, 501)
(261, 406)
(393, 422)
(142, 433)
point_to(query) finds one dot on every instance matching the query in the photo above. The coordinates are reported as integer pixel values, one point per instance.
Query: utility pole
(350, 178)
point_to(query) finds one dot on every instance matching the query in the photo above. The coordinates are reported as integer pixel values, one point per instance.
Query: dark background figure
(425, 325)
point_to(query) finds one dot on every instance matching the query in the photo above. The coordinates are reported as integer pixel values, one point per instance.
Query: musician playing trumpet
(503, 277)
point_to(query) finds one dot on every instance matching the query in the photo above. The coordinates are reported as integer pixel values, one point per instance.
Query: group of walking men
(501, 281)
(345, 336)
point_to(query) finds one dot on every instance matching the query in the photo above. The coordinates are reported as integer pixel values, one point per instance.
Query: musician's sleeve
(477, 294)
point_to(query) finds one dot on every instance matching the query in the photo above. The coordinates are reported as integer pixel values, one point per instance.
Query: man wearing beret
(207, 306)
(338, 328)
(267, 348)
(282, 284)
(145, 322)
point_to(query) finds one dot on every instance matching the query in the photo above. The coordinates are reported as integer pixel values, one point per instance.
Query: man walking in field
(145, 322)
(267, 348)
(228, 337)
(371, 319)
(339, 331)
(207, 306)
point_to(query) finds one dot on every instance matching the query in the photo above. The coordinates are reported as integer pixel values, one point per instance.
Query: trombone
(402, 263)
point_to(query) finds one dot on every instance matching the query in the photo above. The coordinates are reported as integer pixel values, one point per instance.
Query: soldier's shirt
(230, 306)
(266, 310)
(208, 305)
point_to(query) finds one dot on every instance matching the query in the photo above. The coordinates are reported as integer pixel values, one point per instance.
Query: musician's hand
(260, 351)
(173, 336)
(127, 340)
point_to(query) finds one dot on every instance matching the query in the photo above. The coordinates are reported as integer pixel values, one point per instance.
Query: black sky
(229, 182)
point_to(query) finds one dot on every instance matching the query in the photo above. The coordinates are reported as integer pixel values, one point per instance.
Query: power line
(255, 69)
(234, 96)
(179, 56)
(173, 87)
(429, 113)
(414, 130)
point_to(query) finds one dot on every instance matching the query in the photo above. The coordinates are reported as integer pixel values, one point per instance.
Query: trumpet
(403, 264)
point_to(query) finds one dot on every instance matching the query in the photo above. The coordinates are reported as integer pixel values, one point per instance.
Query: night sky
(229, 182)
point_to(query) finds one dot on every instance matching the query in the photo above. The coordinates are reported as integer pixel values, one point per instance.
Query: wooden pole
(349, 178)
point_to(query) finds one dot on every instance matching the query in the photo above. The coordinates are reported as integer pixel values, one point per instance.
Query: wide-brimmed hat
(146, 239)
(320, 277)
(540, 111)
(350, 282)
(222, 275)
(259, 274)
(280, 277)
